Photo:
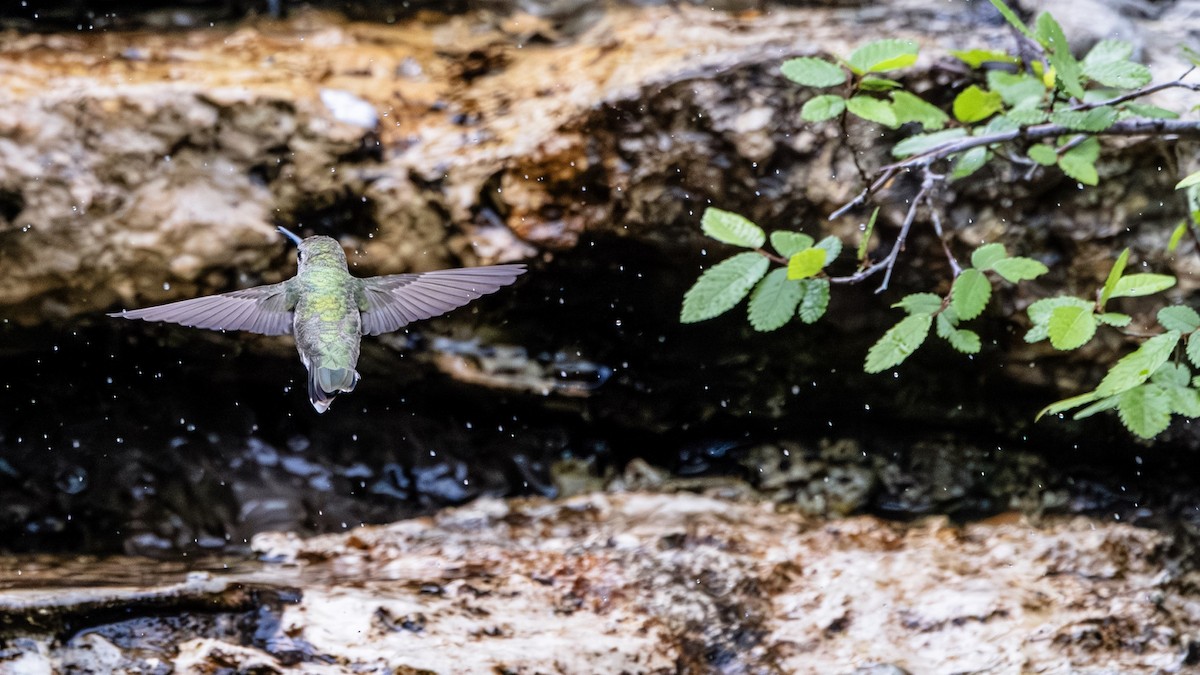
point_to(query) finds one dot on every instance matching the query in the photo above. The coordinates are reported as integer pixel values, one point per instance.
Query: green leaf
(878, 84)
(883, 55)
(1099, 406)
(1016, 88)
(1094, 120)
(1027, 114)
(873, 110)
(1179, 317)
(815, 300)
(969, 162)
(1043, 154)
(965, 341)
(1012, 19)
(1184, 401)
(974, 104)
(821, 108)
(898, 343)
(1146, 411)
(1080, 162)
(1114, 319)
(970, 294)
(1071, 327)
(806, 263)
(1189, 181)
(832, 247)
(987, 255)
(722, 286)
(1135, 368)
(774, 301)
(1108, 63)
(731, 228)
(1138, 285)
(1150, 111)
(788, 244)
(1018, 269)
(1121, 74)
(1172, 375)
(1066, 404)
(1114, 275)
(915, 145)
(1040, 311)
(1193, 350)
(1177, 236)
(1067, 70)
(977, 57)
(811, 72)
(911, 108)
(920, 303)
(866, 235)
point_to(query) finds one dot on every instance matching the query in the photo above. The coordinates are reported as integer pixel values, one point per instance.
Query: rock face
(652, 583)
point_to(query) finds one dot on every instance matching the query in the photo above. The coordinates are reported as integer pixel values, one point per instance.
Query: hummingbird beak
(290, 235)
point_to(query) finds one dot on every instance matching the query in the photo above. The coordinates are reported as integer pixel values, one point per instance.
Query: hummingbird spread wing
(262, 309)
(396, 300)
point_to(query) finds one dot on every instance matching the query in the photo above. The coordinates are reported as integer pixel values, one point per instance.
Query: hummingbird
(328, 310)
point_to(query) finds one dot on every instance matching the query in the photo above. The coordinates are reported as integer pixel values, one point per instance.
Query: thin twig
(936, 217)
(1144, 91)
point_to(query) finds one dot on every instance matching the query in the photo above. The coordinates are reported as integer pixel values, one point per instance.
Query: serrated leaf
(898, 343)
(1120, 74)
(970, 294)
(911, 108)
(915, 145)
(1193, 350)
(722, 286)
(1145, 410)
(1043, 154)
(1189, 181)
(813, 72)
(1066, 404)
(1114, 275)
(878, 84)
(1184, 401)
(832, 246)
(1080, 162)
(1016, 88)
(873, 110)
(806, 263)
(1012, 18)
(774, 301)
(1071, 327)
(1177, 236)
(987, 255)
(1138, 285)
(731, 228)
(969, 162)
(1094, 120)
(1066, 69)
(1151, 111)
(815, 300)
(920, 303)
(1172, 375)
(977, 57)
(821, 108)
(1135, 368)
(1109, 50)
(882, 55)
(1018, 269)
(965, 341)
(1116, 319)
(974, 104)
(788, 244)
(1179, 317)
(1040, 311)
(1027, 114)
(865, 240)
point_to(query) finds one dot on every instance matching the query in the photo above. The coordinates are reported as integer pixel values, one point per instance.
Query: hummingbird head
(318, 249)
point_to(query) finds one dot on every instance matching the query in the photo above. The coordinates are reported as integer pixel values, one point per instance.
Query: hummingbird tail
(324, 384)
